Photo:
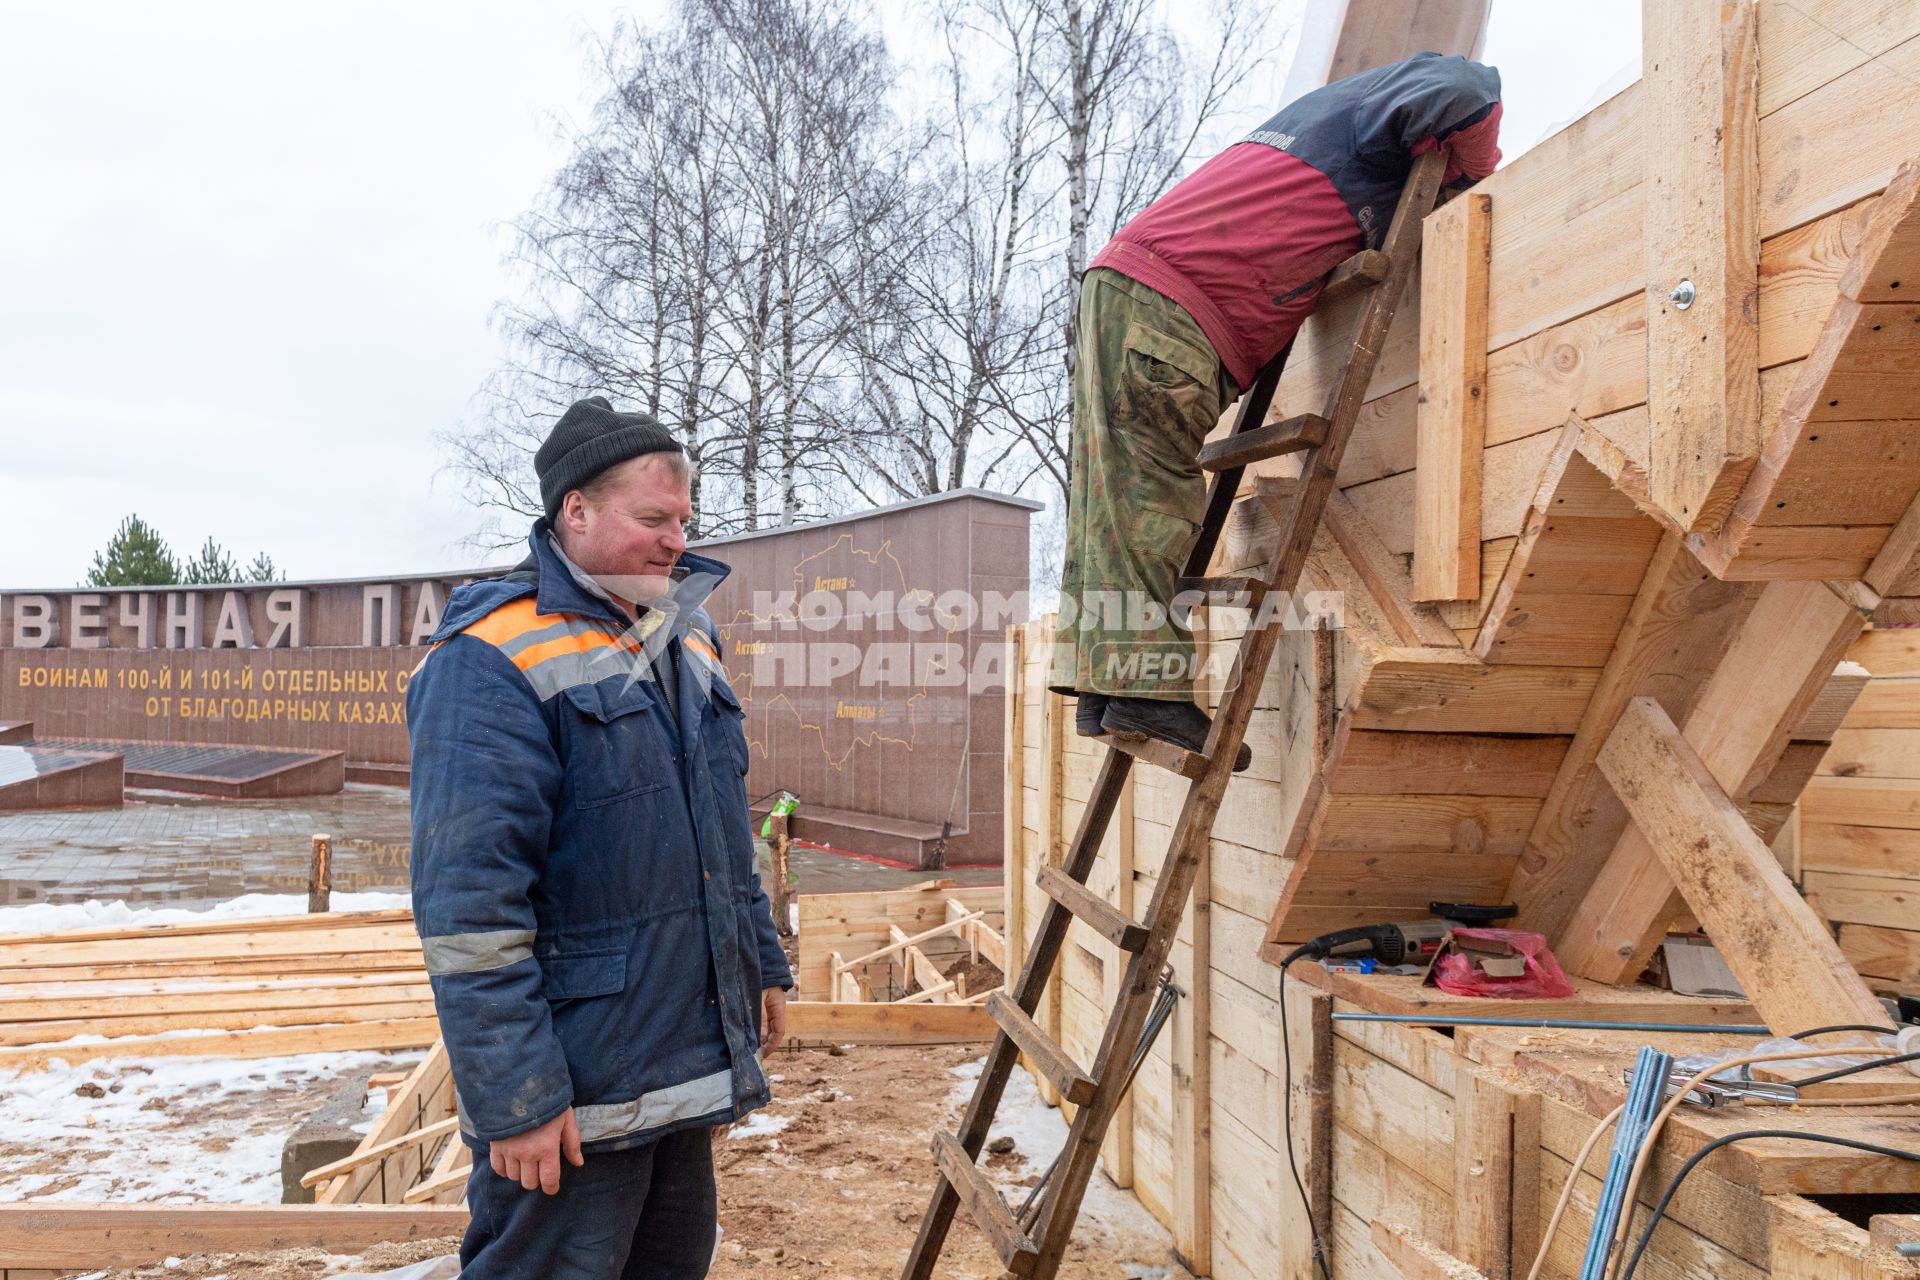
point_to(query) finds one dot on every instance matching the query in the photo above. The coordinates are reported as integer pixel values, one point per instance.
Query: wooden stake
(779, 844)
(320, 877)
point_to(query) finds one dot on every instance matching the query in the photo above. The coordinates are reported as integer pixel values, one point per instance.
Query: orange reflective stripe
(510, 620)
(561, 645)
(698, 643)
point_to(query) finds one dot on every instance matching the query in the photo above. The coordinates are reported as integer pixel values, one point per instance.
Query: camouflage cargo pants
(1147, 389)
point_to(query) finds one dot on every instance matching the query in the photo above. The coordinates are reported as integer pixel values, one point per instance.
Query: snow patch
(1039, 1132)
(45, 917)
(761, 1124)
(177, 1130)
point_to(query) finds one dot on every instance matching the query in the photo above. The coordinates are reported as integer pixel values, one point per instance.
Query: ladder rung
(1231, 586)
(982, 1199)
(1093, 910)
(1188, 764)
(1075, 1085)
(1289, 435)
(1362, 271)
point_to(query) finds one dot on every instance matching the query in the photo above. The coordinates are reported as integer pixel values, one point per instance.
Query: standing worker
(603, 960)
(1179, 313)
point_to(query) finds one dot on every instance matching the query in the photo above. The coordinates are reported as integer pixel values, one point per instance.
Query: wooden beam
(1418, 1258)
(1782, 658)
(1385, 577)
(1452, 425)
(817, 1022)
(79, 1237)
(1309, 1103)
(1700, 125)
(396, 1033)
(1788, 964)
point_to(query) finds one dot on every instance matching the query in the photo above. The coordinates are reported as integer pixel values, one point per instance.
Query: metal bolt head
(1682, 295)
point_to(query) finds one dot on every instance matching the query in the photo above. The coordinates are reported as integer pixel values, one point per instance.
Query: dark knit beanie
(589, 438)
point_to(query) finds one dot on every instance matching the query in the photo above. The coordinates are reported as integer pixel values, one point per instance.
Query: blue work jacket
(583, 869)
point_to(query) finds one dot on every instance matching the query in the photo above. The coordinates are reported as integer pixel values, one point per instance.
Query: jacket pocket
(617, 749)
(584, 975)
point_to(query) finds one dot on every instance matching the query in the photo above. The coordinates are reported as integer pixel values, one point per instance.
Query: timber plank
(1700, 131)
(1827, 846)
(1375, 762)
(1785, 960)
(80, 1236)
(1878, 951)
(1552, 628)
(1868, 802)
(1453, 403)
(1449, 692)
(1891, 902)
(399, 1033)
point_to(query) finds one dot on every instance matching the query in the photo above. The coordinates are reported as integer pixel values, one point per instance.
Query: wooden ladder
(1035, 1245)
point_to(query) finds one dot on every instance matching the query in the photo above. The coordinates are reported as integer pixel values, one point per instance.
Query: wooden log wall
(1855, 840)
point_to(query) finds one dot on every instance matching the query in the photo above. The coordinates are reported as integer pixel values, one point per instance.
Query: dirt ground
(829, 1182)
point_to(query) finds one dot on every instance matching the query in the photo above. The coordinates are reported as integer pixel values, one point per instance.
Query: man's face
(630, 537)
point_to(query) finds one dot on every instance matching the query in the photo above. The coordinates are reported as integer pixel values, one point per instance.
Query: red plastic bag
(1455, 969)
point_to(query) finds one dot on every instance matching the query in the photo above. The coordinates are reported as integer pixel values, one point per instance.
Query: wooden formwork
(1603, 565)
(851, 926)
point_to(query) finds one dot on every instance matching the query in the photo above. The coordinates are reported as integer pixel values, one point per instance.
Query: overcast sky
(248, 254)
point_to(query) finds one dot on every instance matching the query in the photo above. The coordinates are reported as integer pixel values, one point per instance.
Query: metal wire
(1157, 1018)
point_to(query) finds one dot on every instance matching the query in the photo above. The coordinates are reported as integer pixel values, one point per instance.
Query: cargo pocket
(581, 976)
(1170, 401)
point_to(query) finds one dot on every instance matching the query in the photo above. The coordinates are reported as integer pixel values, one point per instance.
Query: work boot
(1087, 710)
(1182, 724)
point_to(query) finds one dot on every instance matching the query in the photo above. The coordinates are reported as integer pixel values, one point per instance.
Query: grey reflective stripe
(677, 1102)
(540, 635)
(476, 952)
(562, 671)
(609, 1120)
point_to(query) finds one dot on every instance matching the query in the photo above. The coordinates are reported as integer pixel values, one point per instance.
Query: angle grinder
(1402, 941)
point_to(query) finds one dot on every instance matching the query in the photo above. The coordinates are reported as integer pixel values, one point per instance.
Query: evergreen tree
(211, 566)
(136, 556)
(263, 570)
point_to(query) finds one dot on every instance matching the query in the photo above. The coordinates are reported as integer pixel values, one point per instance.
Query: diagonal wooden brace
(1769, 935)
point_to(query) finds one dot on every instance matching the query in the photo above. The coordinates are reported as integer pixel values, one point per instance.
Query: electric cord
(1854, 1070)
(1286, 1115)
(1673, 1104)
(1673, 1187)
(1846, 1026)
(1566, 1192)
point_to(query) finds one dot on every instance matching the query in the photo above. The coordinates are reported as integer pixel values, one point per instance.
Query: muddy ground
(829, 1182)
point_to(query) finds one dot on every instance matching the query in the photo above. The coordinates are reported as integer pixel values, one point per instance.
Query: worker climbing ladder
(1033, 1245)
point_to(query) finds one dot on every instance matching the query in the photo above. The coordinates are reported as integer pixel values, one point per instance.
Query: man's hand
(532, 1159)
(773, 1019)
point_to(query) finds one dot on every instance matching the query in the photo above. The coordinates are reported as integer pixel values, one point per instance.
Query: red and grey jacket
(1244, 242)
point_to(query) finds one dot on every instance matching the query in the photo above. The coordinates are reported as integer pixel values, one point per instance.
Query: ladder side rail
(1193, 832)
(1042, 955)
